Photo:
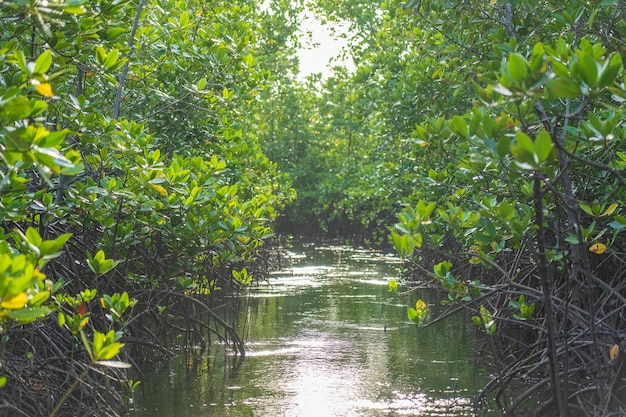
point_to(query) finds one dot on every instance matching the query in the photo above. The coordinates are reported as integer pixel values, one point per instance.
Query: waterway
(325, 338)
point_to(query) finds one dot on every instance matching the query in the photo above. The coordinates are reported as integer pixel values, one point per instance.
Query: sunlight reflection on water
(327, 339)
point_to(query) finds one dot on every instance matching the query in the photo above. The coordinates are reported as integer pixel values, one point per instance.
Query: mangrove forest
(160, 160)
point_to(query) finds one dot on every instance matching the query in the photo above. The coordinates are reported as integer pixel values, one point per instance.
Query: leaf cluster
(129, 162)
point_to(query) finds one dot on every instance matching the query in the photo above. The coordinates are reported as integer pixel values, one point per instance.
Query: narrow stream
(325, 338)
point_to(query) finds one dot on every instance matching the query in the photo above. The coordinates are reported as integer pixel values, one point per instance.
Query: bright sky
(316, 59)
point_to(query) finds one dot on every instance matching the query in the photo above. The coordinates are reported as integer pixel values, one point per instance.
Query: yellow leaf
(610, 210)
(38, 275)
(44, 89)
(598, 248)
(160, 190)
(15, 302)
(613, 352)
(84, 322)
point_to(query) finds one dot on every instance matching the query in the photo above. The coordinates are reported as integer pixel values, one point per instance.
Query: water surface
(325, 338)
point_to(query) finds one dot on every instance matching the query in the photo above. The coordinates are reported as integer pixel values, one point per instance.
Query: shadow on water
(325, 338)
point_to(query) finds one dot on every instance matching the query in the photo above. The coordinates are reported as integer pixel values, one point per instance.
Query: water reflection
(325, 338)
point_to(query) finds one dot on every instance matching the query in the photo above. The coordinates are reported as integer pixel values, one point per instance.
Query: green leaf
(442, 269)
(537, 57)
(565, 88)
(242, 277)
(610, 71)
(38, 299)
(506, 211)
(543, 146)
(43, 63)
(503, 147)
(74, 9)
(418, 314)
(61, 319)
(107, 351)
(425, 210)
(249, 60)
(485, 320)
(524, 151)
(589, 69)
(53, 139)
(460, 126)
(587, 209)
(488, 124)
(50, 247)
(114, 33)
(33, 237)
(404, 244)
(27, 315)
(101, 55)
(95, 262)
(517, 67)
(525, 142)
(111, 58)
(184, 19)
(560, 69)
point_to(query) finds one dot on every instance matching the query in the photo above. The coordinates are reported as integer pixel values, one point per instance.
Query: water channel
(325, 338)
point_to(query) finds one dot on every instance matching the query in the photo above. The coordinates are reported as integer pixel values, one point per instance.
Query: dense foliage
(143, 147)
(499, 126)
(131, 184)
